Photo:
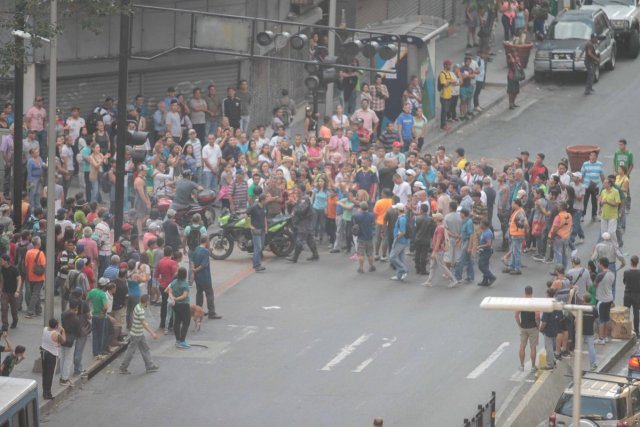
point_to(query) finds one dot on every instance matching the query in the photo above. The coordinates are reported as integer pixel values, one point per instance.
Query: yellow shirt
(461, 163)
(612, 196)
(447, 91)
(622, 181)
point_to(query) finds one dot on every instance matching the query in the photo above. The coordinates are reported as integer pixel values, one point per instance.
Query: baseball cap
(80, 247)
(438, 216)
(171, 213)
(103, 282)
(577, 175)
(396, 144)
(411, 172)
(399, 206)
(126, 227)
(419, 185)
(447, 62)
(124, 265)
(107, 215)
(4, 207)
(60, 211)
(521, 194)
(606, 236)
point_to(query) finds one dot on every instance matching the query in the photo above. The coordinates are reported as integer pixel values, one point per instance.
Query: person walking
(302, 220)
(165, 273)
(35, 262)
(98, 299)
(71, 326)
(400, 243)
(485, 251)
(439, 245)
(53, 336)
(593, 175)
(178, 290)
(549, 327)
(588, 335)
(631, 280)
(201, 268)
(591, 61)
(11, 285)
(466, 234)
(257, 221)
(137, 340)
(604, 297)
(529, 323)
(610, 203)
(364, 223)
(425, 227)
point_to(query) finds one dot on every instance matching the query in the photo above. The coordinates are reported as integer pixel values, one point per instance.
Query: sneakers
(453, 284)
(594, 367)
(153, 368)
(547, 261)
(183, 345)
(607, 339)
(125, 372)
(600, 342)
(521, 368)
(403, 276)
(395, 278)
(538, 258)
(66, 383)
(383, 258)
(579, 240)
(334, 251)
(428, 284)
(515, 272)
(534, 369)
(260, 268)
(360, 270)
(353, 257)
(372, 269)
(376, 258)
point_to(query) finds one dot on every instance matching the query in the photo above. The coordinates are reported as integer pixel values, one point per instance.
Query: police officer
(303, 220)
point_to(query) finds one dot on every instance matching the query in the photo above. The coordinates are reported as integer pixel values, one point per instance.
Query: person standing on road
(178, 290)
(624, 157)
(466, 234)
(400, 243)
(303, 220)
(425, 227)
(11, 285)
(593, 175)
(591, 61)
(588, 326)
(164, 273)
(71, 326)
(439, 245)
(485, 251)
(52, 337)
(604, 296)
(201, 267)
(529, 323)
(35, 262)
(610, 203)
(137, 339)
(559, 233)
(631, 280)
(98, 299)
(514, 77)
(518, 227)
(549, 327)
(578, 204)
(364, 222)
(257, 221)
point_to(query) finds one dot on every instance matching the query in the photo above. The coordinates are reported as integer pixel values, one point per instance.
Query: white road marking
(375, 354)
(271, 307)
(345, 352)
(507, 401)
(246, 332)
(488, 361)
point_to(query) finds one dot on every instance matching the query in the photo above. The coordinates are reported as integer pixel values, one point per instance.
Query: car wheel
(633, 45)
(612, 62)
(596, 74)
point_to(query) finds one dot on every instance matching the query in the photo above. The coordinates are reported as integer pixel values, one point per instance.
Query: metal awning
(411, 29)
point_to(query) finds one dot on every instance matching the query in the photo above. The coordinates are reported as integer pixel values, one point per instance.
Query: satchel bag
(37, 269)
(518, 74)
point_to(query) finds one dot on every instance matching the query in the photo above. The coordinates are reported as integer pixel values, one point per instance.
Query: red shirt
(165, 271)
(88, 271)
(535, 171)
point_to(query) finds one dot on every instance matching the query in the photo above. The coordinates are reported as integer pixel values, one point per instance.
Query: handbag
(37, 269)
(518, 73)
(537, 227)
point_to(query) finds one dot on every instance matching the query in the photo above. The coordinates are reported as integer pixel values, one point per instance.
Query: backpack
(439, 83)
(31, 222)
(21, 251)
(193, 239)
(92, 119)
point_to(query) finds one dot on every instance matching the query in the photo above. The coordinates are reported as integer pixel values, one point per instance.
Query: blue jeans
(77, 354)
(209, 180)
(465, 261)
(211, 126)
(35, 188)
(319, 221)
(483, 264)
(99, 327)
(396, 258)
(560, 251)
(244, 123)
(257, 237)
(589, 339)
(95, 191)
(516, 253)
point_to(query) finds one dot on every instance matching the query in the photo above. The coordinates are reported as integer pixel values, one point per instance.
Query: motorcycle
(204, 207)
(235, 230)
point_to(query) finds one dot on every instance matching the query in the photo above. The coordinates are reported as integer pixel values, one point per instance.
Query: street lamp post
(50, 250)
(331, 52)
(548, 305)
(18, 125)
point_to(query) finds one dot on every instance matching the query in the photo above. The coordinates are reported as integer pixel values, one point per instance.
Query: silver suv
(608, 400)
(625, 19)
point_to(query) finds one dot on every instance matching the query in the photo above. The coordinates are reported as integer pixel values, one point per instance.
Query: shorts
(154, 283)
(530, 335)
(563, 324)
(466, 93)
(119, 316)
(604, 309)
(365, 247)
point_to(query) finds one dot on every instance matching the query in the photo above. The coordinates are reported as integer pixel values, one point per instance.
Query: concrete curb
(77, 382)
(439, 135)
(541, 398)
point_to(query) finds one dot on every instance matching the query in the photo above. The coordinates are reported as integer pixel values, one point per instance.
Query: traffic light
(136, 139)
(321, 73)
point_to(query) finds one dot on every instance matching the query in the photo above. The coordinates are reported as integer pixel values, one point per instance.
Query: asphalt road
(316, 344)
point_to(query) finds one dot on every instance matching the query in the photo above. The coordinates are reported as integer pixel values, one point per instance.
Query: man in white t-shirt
(66, 157)
(401, 189)
(211, 156)
(173, 121)
(75, 123)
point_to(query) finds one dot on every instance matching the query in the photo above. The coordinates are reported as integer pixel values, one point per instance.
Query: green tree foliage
(90, 14)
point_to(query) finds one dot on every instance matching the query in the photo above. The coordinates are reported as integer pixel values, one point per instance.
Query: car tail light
(634, 362)
(622, 424)
(552, 420)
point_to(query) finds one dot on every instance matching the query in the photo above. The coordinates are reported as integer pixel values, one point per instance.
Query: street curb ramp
(540, 401)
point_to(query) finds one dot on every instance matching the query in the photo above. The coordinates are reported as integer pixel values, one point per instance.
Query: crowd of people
(364, 186)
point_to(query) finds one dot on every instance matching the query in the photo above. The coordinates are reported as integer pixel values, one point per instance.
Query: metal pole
(328, 106)
(493, 409)
(50, 250)
(18, 125)
(577, 369)
(123, 73)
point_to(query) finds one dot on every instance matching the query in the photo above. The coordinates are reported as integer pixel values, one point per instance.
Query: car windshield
(593, 408)
(620, 2)
(565, 30)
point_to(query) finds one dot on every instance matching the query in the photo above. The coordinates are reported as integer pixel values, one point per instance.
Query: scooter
(204, 207)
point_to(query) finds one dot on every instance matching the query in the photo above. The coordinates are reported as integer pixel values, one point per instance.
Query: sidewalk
(453, 47)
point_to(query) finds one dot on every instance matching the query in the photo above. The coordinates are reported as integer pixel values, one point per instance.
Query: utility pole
(123, 76)
(18, 176)
(328, 107)
(50, 250)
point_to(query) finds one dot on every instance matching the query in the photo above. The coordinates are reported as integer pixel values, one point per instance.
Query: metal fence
(485, 415)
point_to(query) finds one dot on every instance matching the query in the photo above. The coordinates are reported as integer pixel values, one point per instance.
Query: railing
(485, 416)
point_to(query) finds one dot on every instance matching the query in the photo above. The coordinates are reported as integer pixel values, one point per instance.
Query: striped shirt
(137, 329)
(592, 172)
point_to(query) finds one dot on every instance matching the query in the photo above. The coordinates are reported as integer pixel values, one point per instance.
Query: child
(16, 356)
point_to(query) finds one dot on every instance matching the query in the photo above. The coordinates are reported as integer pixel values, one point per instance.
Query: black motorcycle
(235, 230)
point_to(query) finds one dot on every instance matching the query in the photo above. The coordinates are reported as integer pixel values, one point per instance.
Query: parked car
(607, 400)
(562, 50)
(625, 19)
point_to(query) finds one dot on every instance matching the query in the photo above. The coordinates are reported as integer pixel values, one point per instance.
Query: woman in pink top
(508, 9)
